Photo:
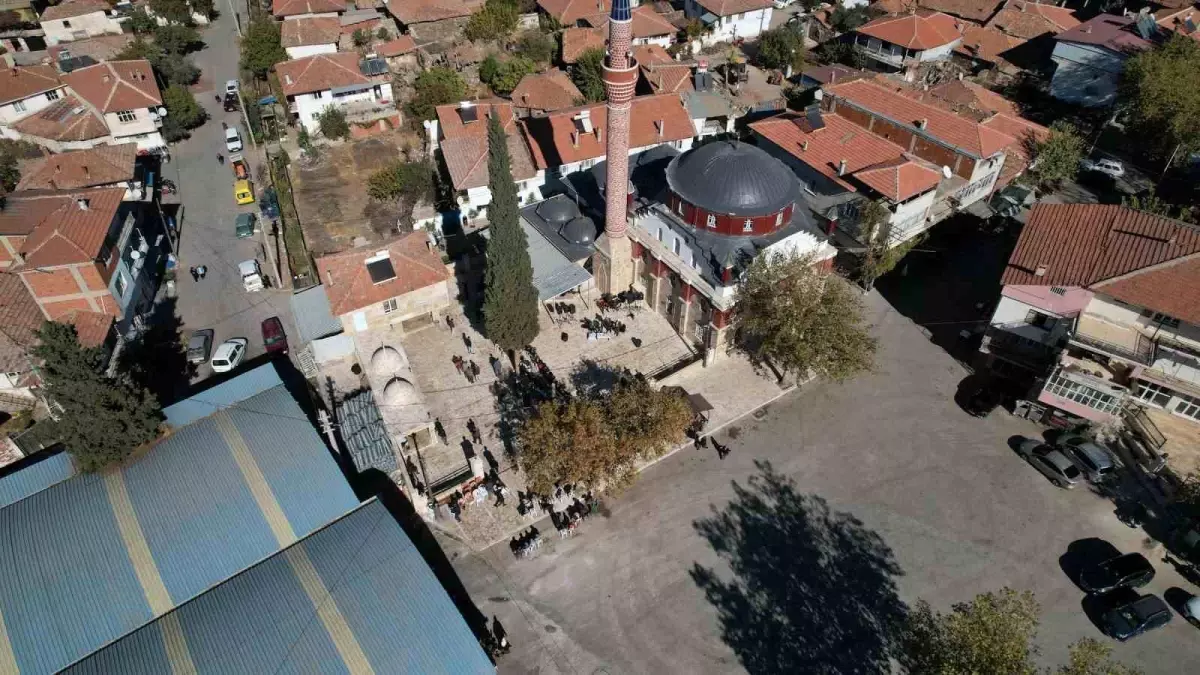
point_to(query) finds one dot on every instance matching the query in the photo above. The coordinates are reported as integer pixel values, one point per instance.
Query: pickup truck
(233, 140)
(241, 170)
(252, 280)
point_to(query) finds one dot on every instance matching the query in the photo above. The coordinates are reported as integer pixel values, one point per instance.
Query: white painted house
(728, 20)
(27, 90)
(126, 95)
(78, 20)
(909, 39)
(360, 88)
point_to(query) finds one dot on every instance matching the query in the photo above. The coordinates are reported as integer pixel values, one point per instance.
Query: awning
(709, 18)
(980, 209)
(553, 273)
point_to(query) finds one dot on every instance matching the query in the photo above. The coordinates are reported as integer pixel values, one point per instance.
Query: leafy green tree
(504, 76)
(801, 319)
(406, 182)
(845, 19)
(183, 113)
(104, 419)
(203, 7)
(1161, 90)
(10, 173)
(496, 20)
(138, 49)
(333, 124)
(261, 46)
(510, 300)
(174, 11)
(991, 634)
(140, 22)
(382, 33)
(881, 255)
(1152, 203)
(176, 39)
(588, 75)
(780, 48)
(1056, 159)
(176, 69)
(433, 87)
(537, 46)
(835, 51)
(361, 38)
(1091, 657)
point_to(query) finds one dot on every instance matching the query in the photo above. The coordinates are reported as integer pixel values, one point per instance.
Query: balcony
(1112, 340)
(1003, 341)
(882, 52)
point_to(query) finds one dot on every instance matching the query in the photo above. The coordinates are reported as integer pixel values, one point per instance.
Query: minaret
(613, 263)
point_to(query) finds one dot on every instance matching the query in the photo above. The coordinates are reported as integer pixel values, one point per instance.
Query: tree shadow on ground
(157, 359)
(813, 589)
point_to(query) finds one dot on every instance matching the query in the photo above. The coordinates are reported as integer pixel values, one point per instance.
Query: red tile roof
(825, 149)
(349, 285)
(92, 328)
(101, 165)
(1109, 31)
(397, 47)
(310, 30)
(974, 10)
(972, 96)
(647, 23)
(100, 47)
(554, 140)
(21, 317)
(960, 132)
(19, 216)
(320, 72)
(1030, 19)
(569, 11)
(576, 41)
(71, 233)
(987, 44)
(920, 31)
(1085, 244)
(281, 8)
(901, 178)
(1185, 21)
(23, 82)
(1018, 156)
(113, 86)
(73, 8)
(663, 73)
(551, 90)
(465, 145)
(423, 11)
(451, 124)
(731, 7)
(67, 119)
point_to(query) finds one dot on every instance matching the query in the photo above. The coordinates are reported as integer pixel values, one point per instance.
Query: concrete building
(1089, 58)
(906, 41)
(460, 132)
(648, 28)
(1099, 309)
(729, 20)
(360, 88)
(402, 285)
(102, 166)
(79, 19)
(545, 92)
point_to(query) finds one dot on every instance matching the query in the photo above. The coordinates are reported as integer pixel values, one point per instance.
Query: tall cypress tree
(104, 419)
(510, 300)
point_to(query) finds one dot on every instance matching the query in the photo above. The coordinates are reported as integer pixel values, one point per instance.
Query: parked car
(199, 346)
(1093, 459)
(231, 102)
(274, 339)
(229, 355)
(1191, 611)
(231, 87)
(1130, 570)
(1110, 167)
(243, 192)
(1128, 615)
(252, 279)
(243, 225)
(268, 204)
(233, 140)
(782, 4)
(1051, 462)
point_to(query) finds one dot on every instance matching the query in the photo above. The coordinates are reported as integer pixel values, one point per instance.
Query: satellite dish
(135, 254)
(946, 171)
(162, 112)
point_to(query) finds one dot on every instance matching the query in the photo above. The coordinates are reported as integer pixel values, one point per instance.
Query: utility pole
(327, 427)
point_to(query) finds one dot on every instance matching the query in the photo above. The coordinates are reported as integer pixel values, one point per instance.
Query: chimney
(1087, 29)
(87, 174)
(82, 203)
(922, 123)
(599, 135)
(53, 185)
(105, 78)
(702, 67)
(57, 169)
(661, 126)
(1040, 271)
(804, 146)
(842, 168)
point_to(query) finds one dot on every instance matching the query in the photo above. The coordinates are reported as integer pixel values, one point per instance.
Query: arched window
(748, 226)
(712, 220)
(778, 219)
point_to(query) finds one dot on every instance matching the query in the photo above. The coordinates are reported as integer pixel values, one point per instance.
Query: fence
(293, 235)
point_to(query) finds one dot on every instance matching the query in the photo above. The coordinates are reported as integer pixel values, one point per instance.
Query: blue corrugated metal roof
(264, 620)
(222, 396)
(68, 579)
(34, 478)
(314, 318)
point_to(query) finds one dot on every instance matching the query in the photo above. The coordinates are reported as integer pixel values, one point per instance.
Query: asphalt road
(926, 487)
(207, 224)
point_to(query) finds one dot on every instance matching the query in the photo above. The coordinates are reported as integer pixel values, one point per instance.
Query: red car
(274, 339)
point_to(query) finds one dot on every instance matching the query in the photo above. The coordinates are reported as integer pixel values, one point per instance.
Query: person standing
(467, 342)
(441, 430)
(195, 274)
(458, 363)
(474, 367)
(450, 321)
(470, 375)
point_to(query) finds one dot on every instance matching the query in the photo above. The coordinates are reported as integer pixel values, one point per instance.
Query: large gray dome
(557, 211)
(580, 230)
(732, 178)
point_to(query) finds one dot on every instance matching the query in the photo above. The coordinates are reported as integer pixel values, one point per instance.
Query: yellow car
(243, 192)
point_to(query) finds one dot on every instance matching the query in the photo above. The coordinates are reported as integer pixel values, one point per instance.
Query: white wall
(744, 25)
(698, 125)
(663, 41)
(938, 53)
(310, 50)
(909, 219)
(9, 113)
(804, 242)
(80, 27)
(309, 106)
(1011, 315)
(143, 123)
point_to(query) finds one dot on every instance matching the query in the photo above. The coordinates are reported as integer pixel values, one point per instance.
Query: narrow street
(208, 212)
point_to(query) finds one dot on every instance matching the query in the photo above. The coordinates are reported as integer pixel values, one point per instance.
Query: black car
(1130, 570)
(1128, 615)
(231, 101)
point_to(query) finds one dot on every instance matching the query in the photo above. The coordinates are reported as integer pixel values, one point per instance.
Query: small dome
(388, 359)
(557, 211)
(399, 391)
(580, 230)
(732, 178)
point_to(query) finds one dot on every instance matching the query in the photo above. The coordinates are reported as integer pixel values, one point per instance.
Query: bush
(496, 20)
(588, 75)
(434, 87)
(183, 113)
(332, 122)
(360, 38)
(407, 181)
(261, 47)
(503, 76)
(537, 46)
(176, 39)
(140, 22)
(382, 33)
(780, 48)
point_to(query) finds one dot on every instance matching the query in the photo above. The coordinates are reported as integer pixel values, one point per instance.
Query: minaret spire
(615, 272)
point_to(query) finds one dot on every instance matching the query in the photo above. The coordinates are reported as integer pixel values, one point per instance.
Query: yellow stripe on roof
(8, 659)
(144, 567)
(253, 475)
(331, 617)
(176, 646)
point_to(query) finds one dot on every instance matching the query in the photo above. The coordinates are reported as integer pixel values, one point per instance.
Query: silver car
(1094, 460)
(199, 345)
(1051, 462)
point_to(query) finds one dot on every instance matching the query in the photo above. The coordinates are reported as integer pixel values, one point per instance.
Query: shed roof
(551, 90)
(576, 41)
(282, 8)
(1032, 19)
(310, 30)
(314, 319)
(101, 165)
(204, 503)
(1109, 31)
(553, 273)
(348, 280)
(355, 596)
